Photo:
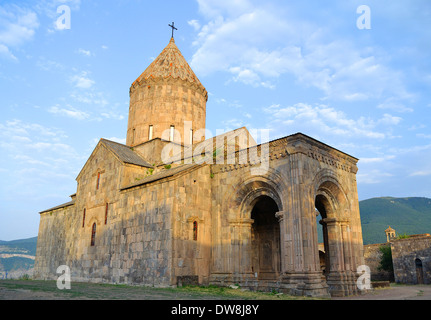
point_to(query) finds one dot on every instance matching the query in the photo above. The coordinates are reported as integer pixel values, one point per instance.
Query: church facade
(171, 207)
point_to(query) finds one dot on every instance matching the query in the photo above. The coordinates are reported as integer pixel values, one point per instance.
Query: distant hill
(27, 246)
(405, 215)
(17, 257)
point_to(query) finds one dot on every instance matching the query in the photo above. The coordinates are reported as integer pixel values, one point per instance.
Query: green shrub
(386, 261)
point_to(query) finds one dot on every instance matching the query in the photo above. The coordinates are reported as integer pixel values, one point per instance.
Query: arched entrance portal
(265, 239)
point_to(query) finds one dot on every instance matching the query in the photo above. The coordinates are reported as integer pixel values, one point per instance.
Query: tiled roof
(125, 153)
(163, 174)
(170, 63)
(64, 205)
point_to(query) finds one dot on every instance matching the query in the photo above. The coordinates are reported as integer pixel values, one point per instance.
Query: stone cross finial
(173, 28)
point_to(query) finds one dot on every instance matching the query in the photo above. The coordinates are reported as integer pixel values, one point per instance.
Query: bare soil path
(395, 292)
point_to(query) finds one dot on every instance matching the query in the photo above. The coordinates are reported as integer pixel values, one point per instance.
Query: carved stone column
(335, 247)
(341, 279)
(241, 246)
(285, 243)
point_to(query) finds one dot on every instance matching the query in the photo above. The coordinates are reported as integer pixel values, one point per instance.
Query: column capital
(281, 215)
(336, 220)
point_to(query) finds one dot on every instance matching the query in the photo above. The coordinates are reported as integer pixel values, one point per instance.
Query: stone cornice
(168, 80)
(294, 144)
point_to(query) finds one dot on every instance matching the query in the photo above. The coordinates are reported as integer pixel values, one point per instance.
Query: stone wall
(404, 254)
(51, 245)
(372, 257)
(148, 235)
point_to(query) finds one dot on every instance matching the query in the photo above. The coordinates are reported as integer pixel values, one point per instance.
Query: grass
(27, 289)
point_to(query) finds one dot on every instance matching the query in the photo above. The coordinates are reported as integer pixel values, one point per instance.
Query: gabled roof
(122, 152)
(126, 153)
(170, 63)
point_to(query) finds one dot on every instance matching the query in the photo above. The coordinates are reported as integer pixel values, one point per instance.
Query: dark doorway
(265, 239)
(321, 205)
(419, 271)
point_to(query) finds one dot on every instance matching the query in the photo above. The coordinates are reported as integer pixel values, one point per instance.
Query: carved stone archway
(332, 204)
(255, 232)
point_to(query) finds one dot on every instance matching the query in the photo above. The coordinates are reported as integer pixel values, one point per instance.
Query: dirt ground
(395, 292)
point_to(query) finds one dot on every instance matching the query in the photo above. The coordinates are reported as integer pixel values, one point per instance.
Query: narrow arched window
(106, 213)
(172, 133)
(133, 135)
(98, 181)
(83, 218)
(150, 132)
(195, 230)
(93, 235)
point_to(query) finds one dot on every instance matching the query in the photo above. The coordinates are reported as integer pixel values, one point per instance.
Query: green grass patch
(92, 291)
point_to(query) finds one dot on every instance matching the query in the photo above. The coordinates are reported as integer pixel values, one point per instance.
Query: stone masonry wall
(404, 254)
(51, 247)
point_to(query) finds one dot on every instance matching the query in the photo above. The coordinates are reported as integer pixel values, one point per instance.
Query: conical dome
(167, 101)
(170, 63)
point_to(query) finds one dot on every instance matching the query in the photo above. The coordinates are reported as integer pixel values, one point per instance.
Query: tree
(386, 260)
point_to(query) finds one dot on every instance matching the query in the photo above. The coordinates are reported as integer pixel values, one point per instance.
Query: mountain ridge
(407, 215)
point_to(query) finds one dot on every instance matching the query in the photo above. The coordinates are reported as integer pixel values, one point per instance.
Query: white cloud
(92, 98)
(49, 7)
(324, 120)
(421, 173)
(13, 128)
(389, 120)
(17, 26)
(4, 51)
(82, 81)
(84, 52)
(394, 105)
(214, 8)
(48, 65)
(423, 135)
(194, 24)
(119, 140)
(112, 115)
(257, 44)
(372, 177)
(37, 158)
(377, 159)
(70, 112)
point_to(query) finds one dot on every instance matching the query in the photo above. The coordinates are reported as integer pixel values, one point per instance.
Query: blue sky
(287, 66)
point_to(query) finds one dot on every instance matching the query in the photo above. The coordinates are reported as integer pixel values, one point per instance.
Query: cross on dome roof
(173, 28)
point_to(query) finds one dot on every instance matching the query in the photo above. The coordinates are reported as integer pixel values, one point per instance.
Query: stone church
(172, 206)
